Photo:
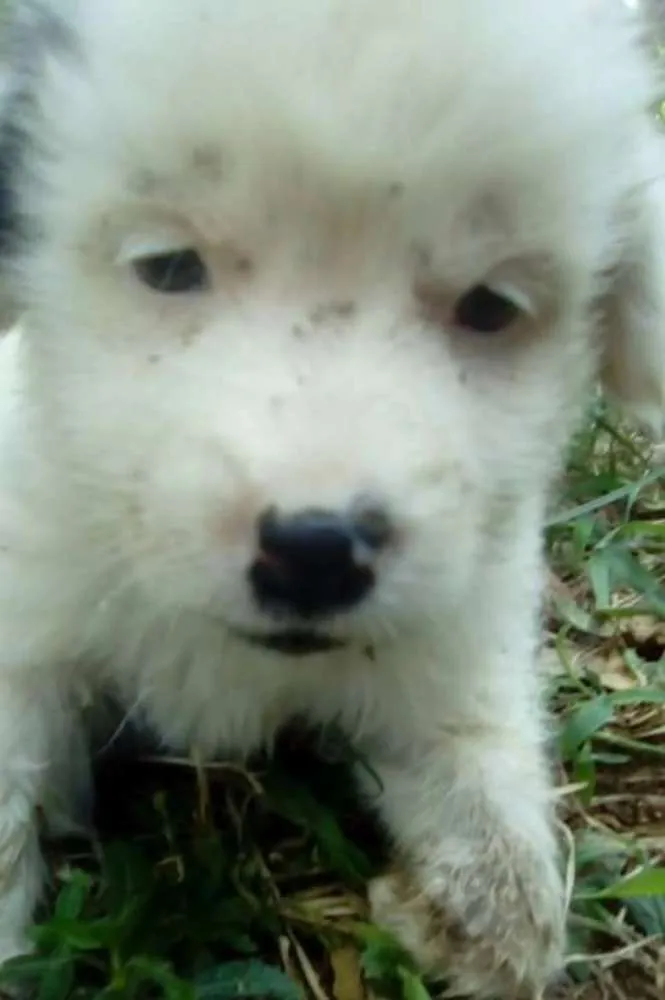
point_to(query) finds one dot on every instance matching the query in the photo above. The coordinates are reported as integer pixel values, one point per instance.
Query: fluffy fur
(347, 170)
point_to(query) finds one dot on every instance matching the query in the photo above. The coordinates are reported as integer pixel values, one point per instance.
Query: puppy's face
(309, 313)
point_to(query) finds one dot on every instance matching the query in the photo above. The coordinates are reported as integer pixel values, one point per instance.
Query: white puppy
(312, 292)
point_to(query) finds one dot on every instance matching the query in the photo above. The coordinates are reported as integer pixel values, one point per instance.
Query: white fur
(348, 169)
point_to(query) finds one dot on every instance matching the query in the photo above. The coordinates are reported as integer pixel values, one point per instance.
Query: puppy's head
(313, 291)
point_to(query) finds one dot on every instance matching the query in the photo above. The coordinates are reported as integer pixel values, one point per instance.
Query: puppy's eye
(485, 310)
(172, 272)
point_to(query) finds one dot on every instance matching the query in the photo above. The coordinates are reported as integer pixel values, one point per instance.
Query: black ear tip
(11, 143)
(9, 225)
(7, 207)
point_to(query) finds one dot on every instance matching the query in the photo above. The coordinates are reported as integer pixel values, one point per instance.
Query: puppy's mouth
(294, 642)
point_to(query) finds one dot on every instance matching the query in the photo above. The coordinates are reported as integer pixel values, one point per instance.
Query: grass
(222, 882)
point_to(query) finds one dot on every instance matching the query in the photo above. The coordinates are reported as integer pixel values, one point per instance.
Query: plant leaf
(253, 978)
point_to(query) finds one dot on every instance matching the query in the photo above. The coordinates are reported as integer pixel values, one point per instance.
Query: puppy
(311, 296)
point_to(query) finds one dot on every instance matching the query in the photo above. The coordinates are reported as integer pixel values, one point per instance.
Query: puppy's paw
(494, 931)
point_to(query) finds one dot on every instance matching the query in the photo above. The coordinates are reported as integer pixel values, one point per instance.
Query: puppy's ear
(9, 227)
(633, 311)
(8, 156)
(31, 31)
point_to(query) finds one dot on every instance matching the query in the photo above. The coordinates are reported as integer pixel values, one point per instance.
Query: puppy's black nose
(314, 562)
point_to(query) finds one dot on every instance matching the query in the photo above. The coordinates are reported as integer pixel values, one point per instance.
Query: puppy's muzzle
(316, 563)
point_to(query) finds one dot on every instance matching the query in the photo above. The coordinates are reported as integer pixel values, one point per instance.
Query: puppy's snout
(316, 562)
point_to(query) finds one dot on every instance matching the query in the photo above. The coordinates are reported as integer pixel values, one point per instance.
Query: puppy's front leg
(478, 896)
(34, 732)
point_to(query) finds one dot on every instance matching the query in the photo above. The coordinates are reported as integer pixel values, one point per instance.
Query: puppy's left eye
(173, 272)
(485, 310)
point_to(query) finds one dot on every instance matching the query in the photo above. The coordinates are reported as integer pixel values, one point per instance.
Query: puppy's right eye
(173, 272)
(485, 310)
